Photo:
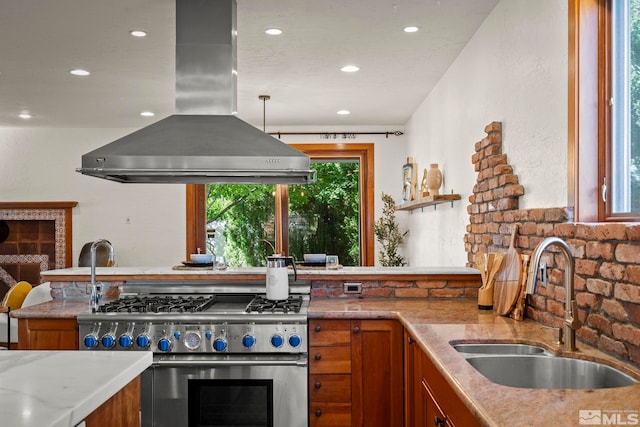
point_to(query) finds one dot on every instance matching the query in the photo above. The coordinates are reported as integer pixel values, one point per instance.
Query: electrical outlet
(352, 287)
(544, 274)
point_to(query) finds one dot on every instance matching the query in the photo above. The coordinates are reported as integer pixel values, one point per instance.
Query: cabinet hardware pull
(318, 328)
(318, 356)
(317, 385)
(356, 330)
(410, 340)
(318, 412)
(438, 422)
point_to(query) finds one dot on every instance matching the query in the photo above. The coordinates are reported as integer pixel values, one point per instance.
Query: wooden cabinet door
(330, 388)
(432, 414)
(376, 373)
(445, 397)
(48, 334)
(330, 414)
(329, 332)
(329, 373)
(414, 410)
(121, 410)
(330, 360)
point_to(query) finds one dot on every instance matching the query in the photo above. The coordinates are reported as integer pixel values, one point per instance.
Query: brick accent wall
(78, 290)
(607, 255)
(441, 288)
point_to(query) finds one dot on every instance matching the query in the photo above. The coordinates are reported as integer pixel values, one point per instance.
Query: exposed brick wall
(607, 256)
(398, 289)
(78, 290)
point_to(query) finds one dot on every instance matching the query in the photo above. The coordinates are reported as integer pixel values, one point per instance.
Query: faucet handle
(572, 319)
(557, 334)
(93, 287)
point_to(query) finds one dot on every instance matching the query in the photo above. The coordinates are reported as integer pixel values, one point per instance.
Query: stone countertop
(436, 323)
(61, 388)
(248, 273)
(56, 309)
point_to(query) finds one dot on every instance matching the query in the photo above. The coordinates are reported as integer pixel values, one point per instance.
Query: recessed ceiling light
(350, 68)
(410, 29)
(79, 72)
(273, 31)
(344, 112)
(25, 116)
(138, 33)
(147, 114)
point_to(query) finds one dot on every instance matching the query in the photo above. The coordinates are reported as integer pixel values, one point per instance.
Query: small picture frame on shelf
(409, 180)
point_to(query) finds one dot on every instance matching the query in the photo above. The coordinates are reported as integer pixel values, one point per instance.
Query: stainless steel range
(224, 355)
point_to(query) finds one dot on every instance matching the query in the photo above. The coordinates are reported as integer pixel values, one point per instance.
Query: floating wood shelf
(428, 201)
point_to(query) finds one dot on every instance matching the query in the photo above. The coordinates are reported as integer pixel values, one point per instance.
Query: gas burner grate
(260, 304)
(158, 304)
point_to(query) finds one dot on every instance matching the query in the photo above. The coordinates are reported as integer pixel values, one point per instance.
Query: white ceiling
(40, 41)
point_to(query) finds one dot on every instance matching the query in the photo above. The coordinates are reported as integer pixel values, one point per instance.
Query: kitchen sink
(500, 349)
(549, 372)
(531, 366)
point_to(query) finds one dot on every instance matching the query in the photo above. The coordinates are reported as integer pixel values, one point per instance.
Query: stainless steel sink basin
(529, 371)
(500, 349)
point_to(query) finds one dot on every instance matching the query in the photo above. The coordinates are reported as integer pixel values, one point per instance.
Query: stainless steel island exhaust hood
(204, 142)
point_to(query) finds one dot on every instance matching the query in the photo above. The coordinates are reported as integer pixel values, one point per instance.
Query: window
(335, 218)
(604, 109)
(625, 107)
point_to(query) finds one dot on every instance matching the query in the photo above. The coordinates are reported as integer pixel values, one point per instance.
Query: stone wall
(607, 255)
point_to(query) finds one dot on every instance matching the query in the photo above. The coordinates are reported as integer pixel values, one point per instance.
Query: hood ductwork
(204, 142)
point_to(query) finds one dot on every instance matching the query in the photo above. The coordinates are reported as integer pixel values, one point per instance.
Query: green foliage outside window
(244, 215)
(323, 217)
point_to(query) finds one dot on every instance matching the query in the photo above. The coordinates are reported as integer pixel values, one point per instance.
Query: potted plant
(388, 234)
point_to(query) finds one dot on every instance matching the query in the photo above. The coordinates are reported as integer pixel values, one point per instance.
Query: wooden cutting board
(507, 285)
(518, 311)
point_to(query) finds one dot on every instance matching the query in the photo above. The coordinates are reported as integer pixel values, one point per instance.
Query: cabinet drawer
(330, 388)
(330, 360)
(324, 332)
(330, 414)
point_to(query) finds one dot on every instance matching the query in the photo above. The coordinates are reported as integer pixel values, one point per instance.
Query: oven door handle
(302, 362)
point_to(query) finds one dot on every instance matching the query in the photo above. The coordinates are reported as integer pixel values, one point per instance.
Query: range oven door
(233, 390)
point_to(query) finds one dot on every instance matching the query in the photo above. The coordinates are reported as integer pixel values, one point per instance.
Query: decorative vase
(424, 189)
(434, 179)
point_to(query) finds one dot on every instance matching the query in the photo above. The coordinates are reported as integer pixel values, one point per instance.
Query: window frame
(589, 113)
(363, 152)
